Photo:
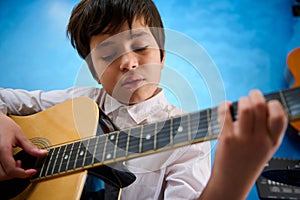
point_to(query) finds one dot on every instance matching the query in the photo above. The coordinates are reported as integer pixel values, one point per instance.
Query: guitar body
(293, 62)
(63, 123)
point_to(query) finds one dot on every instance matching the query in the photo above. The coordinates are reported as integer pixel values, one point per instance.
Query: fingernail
(42, 150)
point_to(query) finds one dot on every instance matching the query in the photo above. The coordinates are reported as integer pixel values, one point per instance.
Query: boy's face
(128, 63)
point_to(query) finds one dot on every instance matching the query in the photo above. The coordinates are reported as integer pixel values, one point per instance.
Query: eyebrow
(104, 44)
(133, 35)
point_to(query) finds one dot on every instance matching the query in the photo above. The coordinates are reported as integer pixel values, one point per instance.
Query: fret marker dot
(108, 156)
(66, 157)
(180, 129)
(148, 136)
(112, 137)
(81, 153)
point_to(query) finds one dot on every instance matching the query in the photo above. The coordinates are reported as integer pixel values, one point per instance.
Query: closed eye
(137, 49)
(109, 57)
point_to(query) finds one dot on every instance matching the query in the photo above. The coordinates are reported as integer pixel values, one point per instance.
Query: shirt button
(124, 110)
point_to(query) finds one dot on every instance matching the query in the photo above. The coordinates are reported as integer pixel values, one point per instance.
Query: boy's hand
(11, 136)
(245, 145)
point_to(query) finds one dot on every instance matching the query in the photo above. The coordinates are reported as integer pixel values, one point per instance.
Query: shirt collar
(141, 111)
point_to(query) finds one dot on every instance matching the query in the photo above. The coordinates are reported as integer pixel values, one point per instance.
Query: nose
(128, 61)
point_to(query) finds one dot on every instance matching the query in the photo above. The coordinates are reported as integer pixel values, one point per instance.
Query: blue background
(247, 40)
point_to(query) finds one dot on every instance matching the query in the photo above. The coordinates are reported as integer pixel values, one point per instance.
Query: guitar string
(203, 126)
(163, 139)
(164, 132)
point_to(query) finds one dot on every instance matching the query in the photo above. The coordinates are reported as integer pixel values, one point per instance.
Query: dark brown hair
(92, 17)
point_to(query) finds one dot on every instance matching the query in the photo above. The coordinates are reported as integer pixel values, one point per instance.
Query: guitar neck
(146, 139)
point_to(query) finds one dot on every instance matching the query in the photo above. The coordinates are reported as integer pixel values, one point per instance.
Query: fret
(94, 159)
(87, 150)
(122, 143)
(110, 146)
(89, 158)
(104, 148)
(99, 151)
(171, 132)
(46, 164)
(148, 137)
(214, 124)
(59, 158)
(127, 143)
(180, 129)
(39, 164)
(162, 135)
(66, 157)
(51, 162)
(203, 125)
(141, 139)
(116, 145)
(198, 125)
(81, 154)
(293, 103)
(73, 155)
(215, 129)
(134, 140)
(208, 119)
(274, 96)
(194, 124)
(284, 104)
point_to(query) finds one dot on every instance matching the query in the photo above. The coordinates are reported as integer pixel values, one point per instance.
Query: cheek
(153, 72)
(108, 79)
(100, 68)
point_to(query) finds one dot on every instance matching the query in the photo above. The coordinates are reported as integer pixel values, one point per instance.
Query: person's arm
(244, 146)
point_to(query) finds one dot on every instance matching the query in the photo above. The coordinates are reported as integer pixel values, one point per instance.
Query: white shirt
(181, 173)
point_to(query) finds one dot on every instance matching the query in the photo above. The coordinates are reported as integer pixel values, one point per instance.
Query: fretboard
(147, 139)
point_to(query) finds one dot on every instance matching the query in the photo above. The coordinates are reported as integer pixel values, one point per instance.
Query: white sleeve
(22, 102)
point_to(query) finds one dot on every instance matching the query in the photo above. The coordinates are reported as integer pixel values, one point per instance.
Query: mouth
(132, 82)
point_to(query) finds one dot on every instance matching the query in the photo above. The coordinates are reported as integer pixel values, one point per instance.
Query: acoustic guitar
(293, 63)
(69, 132)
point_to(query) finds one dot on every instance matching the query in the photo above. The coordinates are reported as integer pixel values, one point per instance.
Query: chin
(136, 100)
(138, 96)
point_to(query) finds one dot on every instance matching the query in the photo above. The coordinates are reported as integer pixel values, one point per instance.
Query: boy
(126, 55)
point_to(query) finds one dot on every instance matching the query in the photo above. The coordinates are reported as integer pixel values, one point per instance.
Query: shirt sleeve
(22, 102)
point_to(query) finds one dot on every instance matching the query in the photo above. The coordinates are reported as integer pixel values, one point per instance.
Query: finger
(28, 172)
(245, 116)
(18, 173)
(29, 147)
(10, 168)
(260, 111)
(277, 121)
(224, 118)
